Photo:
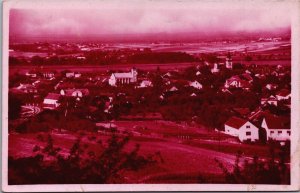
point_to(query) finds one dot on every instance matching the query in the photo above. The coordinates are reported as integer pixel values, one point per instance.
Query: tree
(14, 107)
(258, 171)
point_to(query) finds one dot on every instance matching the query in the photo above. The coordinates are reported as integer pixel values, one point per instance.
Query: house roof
(283, 92)
(53, 96)
(173, 89)
(235, 122)
(234, 78)
(276, 122)
(246, 76)
(123, 75)
(272, 98)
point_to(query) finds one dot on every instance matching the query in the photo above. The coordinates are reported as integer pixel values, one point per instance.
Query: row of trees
(105, 58)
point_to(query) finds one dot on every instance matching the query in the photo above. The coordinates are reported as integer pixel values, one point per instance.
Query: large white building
(123, 78)
(241, 128)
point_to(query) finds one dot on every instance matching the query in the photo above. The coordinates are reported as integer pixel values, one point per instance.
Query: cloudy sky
(158, 17)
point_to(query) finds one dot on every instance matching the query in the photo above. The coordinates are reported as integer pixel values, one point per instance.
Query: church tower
(134, 75)
(229, 61)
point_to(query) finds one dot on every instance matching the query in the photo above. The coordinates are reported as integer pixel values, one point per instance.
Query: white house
(74, 92)
(271, 100)
(173, 89)
(277, 128)
(167, 75)
(271, 86)
(51, 101)
(241, 128)
(27, 88)
(198, 73)
(145, 83)
(123, 78)
(196, 85)
(215, 69)
(73, 75)
(77, 75)
(31, 74)
(242, 81)
(48, 74)
(70, 74)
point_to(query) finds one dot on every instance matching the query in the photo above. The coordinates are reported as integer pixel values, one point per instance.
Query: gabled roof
(53, 96)
(246, 76)
(283, 92)
(235, 122)
(272, 98)
(123, 75)
(276, 122)
(234, 78)
(173, 88)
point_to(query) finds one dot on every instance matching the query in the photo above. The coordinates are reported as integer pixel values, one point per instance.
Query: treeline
(161, 57)
(106, 58)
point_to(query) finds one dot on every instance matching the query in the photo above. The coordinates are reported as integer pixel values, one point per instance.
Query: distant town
(176, 100)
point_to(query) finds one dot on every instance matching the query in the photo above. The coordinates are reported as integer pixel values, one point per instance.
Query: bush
(257, 171)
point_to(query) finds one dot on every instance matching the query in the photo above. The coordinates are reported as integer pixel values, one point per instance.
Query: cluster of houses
(244, 127)
(272, 127)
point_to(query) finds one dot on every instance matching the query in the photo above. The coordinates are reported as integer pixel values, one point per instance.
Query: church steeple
(229, 61)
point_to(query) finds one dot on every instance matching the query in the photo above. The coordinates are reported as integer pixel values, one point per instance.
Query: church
(123, 78)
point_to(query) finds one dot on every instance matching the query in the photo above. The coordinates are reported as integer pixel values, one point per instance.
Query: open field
(210, 47)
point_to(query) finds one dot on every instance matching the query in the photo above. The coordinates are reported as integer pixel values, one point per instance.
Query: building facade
(123, 78)
(241, 128)
(51, 101)
(277, 128)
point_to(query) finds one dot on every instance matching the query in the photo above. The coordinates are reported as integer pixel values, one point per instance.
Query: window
(289, 132)
(272, 132)
(248, 126)
(248, 133)
(279, 132)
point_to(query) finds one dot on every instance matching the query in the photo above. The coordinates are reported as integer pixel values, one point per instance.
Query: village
(190, 93)
(251, 103)
(207, 108)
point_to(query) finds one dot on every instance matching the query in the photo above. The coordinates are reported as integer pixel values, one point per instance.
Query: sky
(154, 18)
